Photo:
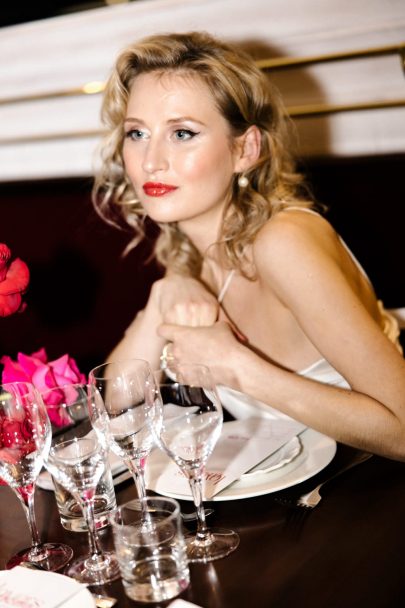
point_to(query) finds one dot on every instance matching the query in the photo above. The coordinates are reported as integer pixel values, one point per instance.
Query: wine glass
(25, 439)
(126, 413)
(68, 411)
(190, 428)
(78, 464)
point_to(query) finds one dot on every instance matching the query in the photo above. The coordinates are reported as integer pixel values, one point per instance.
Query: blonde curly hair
(244, 96)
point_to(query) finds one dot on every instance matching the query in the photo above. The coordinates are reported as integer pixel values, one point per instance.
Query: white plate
(43, 588)
(284, 455)
(317, 452)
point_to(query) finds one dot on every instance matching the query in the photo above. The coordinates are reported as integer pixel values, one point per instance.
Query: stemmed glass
(126, 413)
(25, 439)
(78, 464)
(68, 411)
(190, 428)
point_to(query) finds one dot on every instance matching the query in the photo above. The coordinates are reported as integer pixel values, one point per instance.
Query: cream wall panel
(66, 52)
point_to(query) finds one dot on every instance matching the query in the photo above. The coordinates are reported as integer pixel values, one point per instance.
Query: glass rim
(178, 365)
(97, 447)
(185, 374)
(93, 373)
(29, 385)
(21, 390)
(175, 514)
(62, 386)
(74, 385)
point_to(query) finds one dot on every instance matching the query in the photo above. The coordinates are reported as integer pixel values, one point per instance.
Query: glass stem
(96, 559)
(26, 497)
(137, 468)
(195, 478)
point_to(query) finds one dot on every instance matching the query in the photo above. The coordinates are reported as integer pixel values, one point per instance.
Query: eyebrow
(130, 119)
(171, 121)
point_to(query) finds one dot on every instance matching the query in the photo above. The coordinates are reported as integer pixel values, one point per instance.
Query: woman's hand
(175, 299)
(215, 346)
(184, 301)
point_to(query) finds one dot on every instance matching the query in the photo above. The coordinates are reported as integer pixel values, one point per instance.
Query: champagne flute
(190, 428)
(25, 439)
(126, 412)
(78, 464)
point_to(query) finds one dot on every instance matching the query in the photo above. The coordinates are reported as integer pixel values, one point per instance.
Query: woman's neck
(214, 272)
(204, 237)
(205, 230)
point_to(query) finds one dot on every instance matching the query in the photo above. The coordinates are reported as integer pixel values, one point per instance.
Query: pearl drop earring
(243, 181)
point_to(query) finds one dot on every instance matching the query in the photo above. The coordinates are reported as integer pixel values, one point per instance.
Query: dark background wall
(83, 293)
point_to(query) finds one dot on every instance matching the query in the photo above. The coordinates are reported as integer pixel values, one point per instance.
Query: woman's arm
(304, 269)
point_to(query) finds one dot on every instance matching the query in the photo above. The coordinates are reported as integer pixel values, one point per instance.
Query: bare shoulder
(295, 239)
(294, 227)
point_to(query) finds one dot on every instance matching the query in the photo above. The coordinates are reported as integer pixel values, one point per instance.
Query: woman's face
(177, 150)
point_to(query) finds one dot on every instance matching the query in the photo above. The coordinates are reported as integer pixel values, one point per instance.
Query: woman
(258, 285)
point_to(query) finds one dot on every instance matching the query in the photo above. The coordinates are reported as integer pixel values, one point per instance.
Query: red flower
(14, 279)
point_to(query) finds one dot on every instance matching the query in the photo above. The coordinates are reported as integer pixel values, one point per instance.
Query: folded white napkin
(39, 589)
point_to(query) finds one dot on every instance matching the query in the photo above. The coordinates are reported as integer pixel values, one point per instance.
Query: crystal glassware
(78, 464)
(126, 412)
(191, 425)
(69, 415)
(25, 439)
(153, 561)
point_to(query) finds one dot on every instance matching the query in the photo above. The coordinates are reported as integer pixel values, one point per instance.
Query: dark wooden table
(349, 552)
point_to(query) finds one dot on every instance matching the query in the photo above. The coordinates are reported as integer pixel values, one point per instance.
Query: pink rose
(14, 279)
(44, 374)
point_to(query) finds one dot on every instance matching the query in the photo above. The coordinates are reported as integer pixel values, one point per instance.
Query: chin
(163, 218)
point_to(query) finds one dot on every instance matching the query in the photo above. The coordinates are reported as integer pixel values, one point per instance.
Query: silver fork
(301, 507)
(312, 499)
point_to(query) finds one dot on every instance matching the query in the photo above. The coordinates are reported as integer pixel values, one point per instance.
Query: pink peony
(44, 374)
(14, 279)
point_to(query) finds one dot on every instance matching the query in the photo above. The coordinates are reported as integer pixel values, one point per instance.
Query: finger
(207, 314)
(169, 331)
(177, 315)
(192, 314)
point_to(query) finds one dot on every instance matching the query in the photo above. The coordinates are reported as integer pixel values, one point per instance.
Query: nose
(155, 157)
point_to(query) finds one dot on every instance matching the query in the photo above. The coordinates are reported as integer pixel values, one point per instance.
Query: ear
(248, 149)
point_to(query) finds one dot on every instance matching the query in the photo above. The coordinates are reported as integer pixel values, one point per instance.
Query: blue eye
(135, 134)
(184, 134)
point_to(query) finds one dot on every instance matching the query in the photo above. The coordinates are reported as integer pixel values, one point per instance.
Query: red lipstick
(157, 189)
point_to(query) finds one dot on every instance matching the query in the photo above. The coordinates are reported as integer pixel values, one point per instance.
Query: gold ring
(166, 356)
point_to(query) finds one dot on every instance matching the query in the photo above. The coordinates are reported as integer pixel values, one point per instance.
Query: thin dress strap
(225, 286)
